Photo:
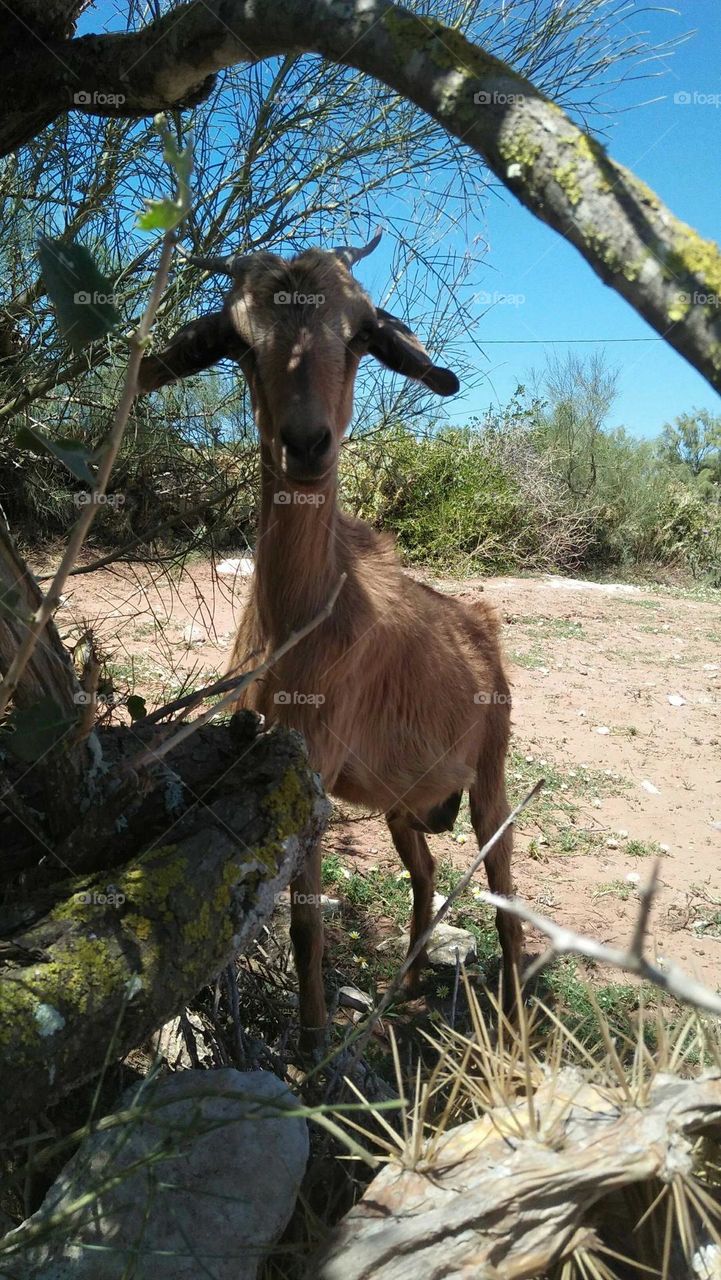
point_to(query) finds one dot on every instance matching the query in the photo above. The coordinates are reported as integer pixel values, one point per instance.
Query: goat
(400, 694)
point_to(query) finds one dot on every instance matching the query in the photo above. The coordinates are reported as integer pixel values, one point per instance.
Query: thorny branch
(631, 959)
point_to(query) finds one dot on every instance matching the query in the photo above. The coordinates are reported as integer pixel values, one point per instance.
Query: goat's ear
(396, 346)
(196, 346)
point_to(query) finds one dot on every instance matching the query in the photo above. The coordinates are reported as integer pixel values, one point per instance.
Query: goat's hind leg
(306, 933)
(412, 847)
(489, 808)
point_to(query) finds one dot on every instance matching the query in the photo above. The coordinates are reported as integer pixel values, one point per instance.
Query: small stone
(329, 906)
(602, 728)
(353, 998)
(650, 788)
(611, 843)
(194, 635)
(676, 700)
(446, 940)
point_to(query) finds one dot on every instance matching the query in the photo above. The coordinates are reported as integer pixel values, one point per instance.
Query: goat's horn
(228, 266)
(349, 255)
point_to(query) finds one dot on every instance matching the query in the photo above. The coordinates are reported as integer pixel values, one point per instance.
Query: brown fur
(401, 694)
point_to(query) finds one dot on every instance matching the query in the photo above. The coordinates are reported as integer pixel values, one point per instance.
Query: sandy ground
(641, 664)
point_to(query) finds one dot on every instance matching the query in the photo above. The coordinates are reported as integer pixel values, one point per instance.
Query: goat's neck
(297, 560)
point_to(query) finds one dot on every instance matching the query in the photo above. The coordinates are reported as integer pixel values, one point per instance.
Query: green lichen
(696, 263)
(519, 149)
(446, 47)
(585, 151)
(567, 178)
(680, 307)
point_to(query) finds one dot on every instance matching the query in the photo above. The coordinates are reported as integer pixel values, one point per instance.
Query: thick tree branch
(661, 266)
(112, 961)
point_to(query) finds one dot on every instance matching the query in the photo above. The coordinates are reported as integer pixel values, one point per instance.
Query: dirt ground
(616, 701)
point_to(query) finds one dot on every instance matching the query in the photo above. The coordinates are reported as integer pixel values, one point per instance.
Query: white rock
(649, 786)
(225, 1193)
(242, 568)
(445, 941)
(676, 700)
(603, 729)
(194, 635)
(353, 998)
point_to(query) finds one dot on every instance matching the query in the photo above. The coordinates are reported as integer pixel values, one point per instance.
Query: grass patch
(615, 889)
(554, 628)
(557, 817)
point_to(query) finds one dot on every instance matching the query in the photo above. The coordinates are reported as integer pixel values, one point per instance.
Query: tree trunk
(93, 966)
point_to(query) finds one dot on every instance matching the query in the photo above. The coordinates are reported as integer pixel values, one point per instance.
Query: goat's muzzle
(306, 452)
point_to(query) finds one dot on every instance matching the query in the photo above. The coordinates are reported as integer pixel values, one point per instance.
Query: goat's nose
(305, 446)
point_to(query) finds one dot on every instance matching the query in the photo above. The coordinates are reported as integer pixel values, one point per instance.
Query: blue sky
(676, 149)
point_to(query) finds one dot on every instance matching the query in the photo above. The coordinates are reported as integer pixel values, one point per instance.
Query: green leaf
(136, 706)
(82, 296)
(72, 453)
(31, 732)
(160, 215)
(12, 606)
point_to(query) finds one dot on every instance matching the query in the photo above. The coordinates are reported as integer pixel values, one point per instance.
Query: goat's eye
(364, 334)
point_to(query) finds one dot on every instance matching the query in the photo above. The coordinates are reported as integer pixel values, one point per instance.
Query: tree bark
(115, 955)
(65, 771)
(660, 265)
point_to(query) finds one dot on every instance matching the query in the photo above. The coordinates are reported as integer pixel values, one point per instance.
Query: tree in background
(693, 442)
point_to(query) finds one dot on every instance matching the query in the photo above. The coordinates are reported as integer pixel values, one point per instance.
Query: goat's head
(299, 329)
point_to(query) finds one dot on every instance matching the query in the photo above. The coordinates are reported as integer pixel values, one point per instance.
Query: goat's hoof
(412, 983)
(312, 1042)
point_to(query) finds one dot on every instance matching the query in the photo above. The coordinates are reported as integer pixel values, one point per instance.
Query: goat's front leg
(306, 933)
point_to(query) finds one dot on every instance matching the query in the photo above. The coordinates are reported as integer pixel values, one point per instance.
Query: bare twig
(48, 605)
(153, 754)
(566, 942)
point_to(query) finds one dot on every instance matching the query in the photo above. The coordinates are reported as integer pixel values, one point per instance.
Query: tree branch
(660, 265)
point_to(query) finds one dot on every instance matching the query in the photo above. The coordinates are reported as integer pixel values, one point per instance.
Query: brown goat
(400, 694)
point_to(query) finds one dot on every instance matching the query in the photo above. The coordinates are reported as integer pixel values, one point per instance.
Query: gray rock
(211, 1207)
(194, 635)
(446, 941)
(352, 998)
